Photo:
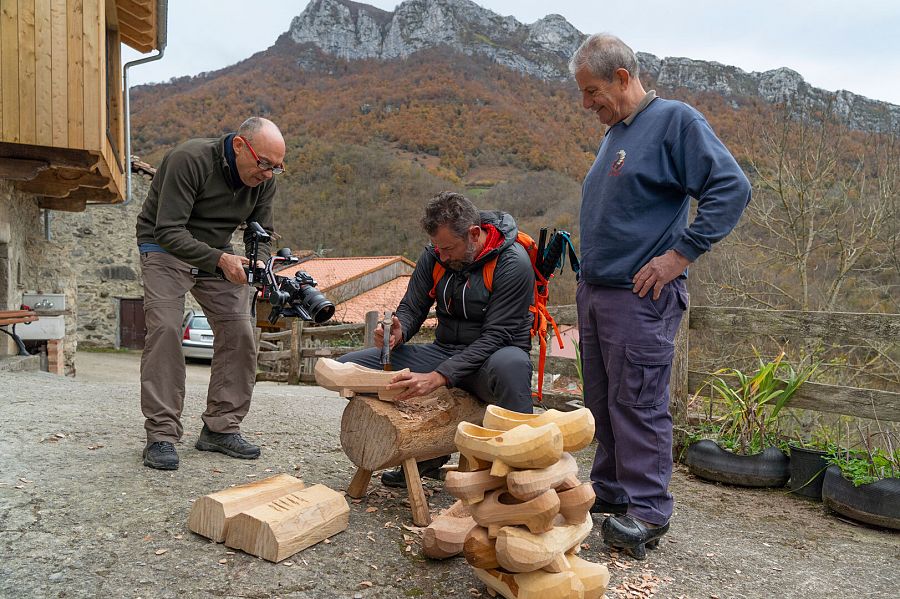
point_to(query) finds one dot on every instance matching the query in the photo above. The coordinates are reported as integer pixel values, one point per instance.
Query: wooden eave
(138, 24)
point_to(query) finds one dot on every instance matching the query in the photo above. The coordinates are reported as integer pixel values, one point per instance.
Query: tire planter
(710, 462)
(807, 472)
(877, 503)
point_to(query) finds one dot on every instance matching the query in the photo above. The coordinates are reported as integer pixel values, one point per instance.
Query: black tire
(807, 472)
(708, 461)
(877, 503)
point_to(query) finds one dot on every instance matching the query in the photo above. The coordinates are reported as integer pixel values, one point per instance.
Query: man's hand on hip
(659, 271)
(233, 268)
(417, 384)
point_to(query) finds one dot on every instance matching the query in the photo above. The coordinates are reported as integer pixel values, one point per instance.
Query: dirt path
(80, 516)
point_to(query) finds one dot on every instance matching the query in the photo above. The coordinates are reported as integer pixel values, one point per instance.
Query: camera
(295, 296)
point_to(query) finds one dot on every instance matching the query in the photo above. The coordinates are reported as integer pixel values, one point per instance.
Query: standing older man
(204, 189)
(636, 244)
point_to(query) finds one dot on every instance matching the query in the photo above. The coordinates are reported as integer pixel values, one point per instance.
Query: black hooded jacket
(470, 317)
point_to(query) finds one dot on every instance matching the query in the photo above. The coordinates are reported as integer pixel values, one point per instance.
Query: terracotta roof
(382, 298)
(332, 272)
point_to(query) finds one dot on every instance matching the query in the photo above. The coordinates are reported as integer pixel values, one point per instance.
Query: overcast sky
(834, 44)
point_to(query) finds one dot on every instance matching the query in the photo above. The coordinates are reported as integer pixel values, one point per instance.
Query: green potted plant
(743, 448)
(865, 484)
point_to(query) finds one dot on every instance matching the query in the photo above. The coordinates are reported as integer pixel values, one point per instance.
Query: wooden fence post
(371, 322)
(296, 333)
(678, 383)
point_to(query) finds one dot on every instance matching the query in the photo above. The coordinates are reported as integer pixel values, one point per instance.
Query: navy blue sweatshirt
(636, 197)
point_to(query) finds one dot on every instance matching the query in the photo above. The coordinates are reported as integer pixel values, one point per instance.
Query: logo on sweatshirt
(618, 164)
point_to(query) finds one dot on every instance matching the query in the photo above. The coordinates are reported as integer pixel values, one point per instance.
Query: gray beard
(469, 259)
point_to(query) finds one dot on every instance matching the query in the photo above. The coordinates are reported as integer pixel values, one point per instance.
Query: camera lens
(318, 306)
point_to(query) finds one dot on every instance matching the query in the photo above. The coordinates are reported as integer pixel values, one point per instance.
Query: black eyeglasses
(276, 170)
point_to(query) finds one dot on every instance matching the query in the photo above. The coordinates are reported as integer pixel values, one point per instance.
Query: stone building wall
(30, 263)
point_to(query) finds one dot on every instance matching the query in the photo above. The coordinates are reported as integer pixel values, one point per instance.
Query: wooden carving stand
(377, 434)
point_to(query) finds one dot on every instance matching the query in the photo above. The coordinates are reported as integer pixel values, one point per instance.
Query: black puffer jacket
(469, 316)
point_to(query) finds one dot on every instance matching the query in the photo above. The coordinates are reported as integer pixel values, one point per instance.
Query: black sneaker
(161, 455)
(231, 444)
(605, 507)
(427, 469)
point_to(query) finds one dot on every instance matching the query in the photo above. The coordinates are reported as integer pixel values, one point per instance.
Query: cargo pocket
(645, 374)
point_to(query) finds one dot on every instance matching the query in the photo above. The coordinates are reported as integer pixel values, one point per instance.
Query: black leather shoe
(161, 455)
(428, 468)
(632, 535)
(604, 507)
(231, 444)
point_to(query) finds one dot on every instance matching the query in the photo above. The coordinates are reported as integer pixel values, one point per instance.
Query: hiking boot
(605, 507)
(231, 444)
(160, 455)
(427, 469)
(632, 535)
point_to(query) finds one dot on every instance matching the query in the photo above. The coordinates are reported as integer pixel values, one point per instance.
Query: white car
(197, 336)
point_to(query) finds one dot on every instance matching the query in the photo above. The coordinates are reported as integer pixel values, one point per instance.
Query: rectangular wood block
(212, 514)
(289, 524)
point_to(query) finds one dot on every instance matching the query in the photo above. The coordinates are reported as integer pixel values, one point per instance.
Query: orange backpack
(542, 319)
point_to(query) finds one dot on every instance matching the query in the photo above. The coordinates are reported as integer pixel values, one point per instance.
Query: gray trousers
(233, 373)
(504, 379)
(627, 347)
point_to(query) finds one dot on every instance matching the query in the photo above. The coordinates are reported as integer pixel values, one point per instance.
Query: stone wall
(30, 263)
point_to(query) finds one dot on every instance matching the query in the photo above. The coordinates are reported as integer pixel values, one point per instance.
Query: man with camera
(483, 336)
(204, 189)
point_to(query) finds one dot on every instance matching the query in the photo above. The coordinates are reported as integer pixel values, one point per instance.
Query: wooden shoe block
(520, 447)
(212, 514)
(577, 426)
(499, 509)
(519, 550)
(594, 577)
(446, 535)
(480, 550)
(528, 484)
(532, 585)
(353, 378)
(470, 487)
(576, 503)
(472, 464)
(281, 528)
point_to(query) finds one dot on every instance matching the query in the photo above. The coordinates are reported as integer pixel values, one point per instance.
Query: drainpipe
(161, 20)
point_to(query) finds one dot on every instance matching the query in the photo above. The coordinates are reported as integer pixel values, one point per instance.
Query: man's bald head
(265, 139)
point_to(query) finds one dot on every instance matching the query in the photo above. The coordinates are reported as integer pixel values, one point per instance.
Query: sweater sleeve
(710, 174)
(512, 295)
(182, 180)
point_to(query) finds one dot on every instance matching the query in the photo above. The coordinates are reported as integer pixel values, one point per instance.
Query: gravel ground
(81, 517)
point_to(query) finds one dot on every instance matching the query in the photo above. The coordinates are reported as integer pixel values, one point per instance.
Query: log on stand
(376, 435)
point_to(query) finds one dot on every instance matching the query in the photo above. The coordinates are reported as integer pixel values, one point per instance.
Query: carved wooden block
(519, 550)
(446, 535)
(212, 514)
(480, 550)
(532, 585)
(470, 487)
(291, 523)
(594, 577)
(520, 447)
(499, 509)
(577, 426)
(575, 503)
(342, 378)
(527, 484)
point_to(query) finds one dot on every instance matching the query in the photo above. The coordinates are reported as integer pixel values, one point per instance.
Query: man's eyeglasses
(262, 164)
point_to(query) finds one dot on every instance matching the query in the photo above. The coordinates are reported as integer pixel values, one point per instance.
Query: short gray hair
(452, 210)
(251, 127)
(602, 54)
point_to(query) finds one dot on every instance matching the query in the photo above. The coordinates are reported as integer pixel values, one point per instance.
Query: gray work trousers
(627, 347)
(233, 373)
(504, 379)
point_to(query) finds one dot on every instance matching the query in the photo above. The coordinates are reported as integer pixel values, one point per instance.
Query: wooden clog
(446, 535)
(527, 484)
(594, 577)
(533, 585)
(520, 447)
(480, 550)
(519, 550)
(577, 426)
(575, 503)
(349, 379)
(499, 509)
(470, 487)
